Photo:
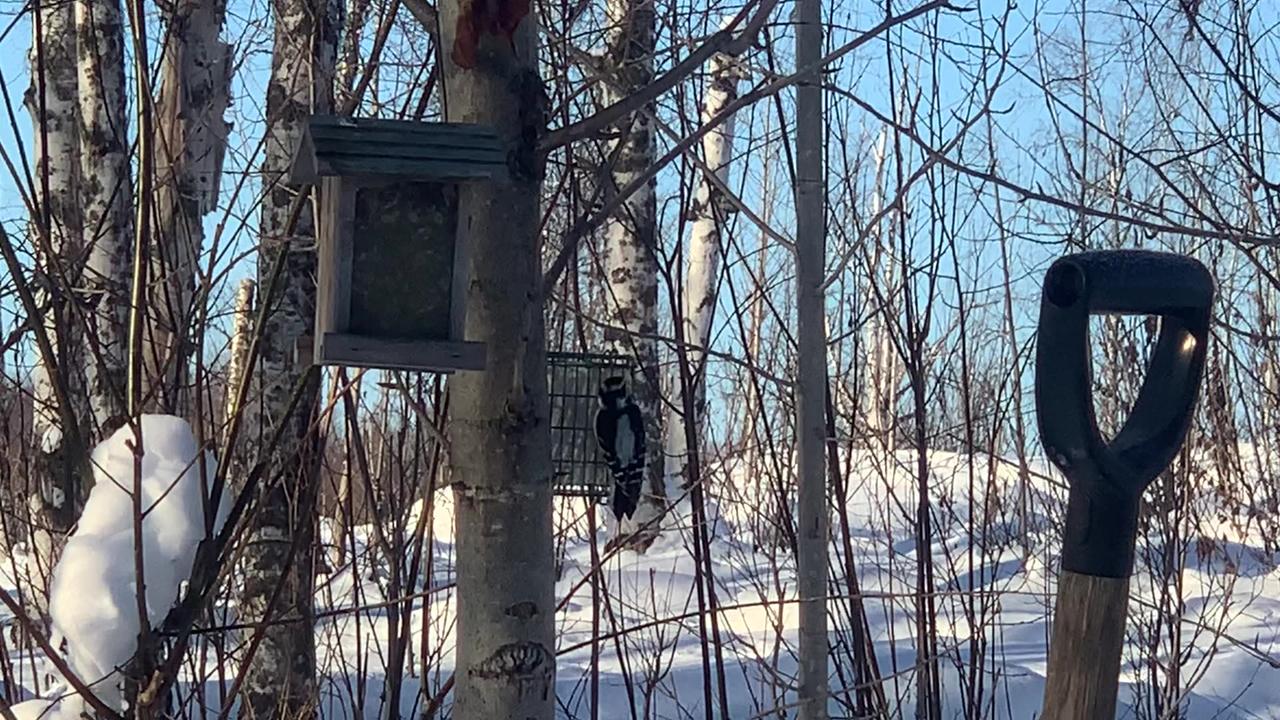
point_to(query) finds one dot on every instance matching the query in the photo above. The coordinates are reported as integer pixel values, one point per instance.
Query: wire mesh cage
(573, 380)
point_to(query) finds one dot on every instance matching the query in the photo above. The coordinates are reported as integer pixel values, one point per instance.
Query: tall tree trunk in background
(194, 93)
(107, 196)
(342, 516)
(884, 367)
(241, 339)
(702, 274)
(756, 402)
(811, 383)
(54, 106)
(349, 57)
(498, 418)
(1269, 371)
(280, 681)
(631, 261)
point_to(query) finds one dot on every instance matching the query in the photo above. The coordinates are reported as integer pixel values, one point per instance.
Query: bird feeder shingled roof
(349, 147)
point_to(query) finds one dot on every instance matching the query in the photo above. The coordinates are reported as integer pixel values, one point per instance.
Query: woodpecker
(620, 432)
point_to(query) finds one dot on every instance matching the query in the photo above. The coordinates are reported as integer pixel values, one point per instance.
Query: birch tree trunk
(884, 367)
(280, 680)
(631, 262)
(1270, 374)
(499, 425)
(349, 57)
(241, 339)
(756, 427)
(702, 269)
(54, 106)
(107, 197)
(811, 383)
(194, 93)
(342, 517)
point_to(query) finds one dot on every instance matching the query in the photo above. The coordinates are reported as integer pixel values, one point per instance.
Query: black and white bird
(620, 432)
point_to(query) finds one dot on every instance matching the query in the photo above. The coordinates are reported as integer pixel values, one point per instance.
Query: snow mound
(93, 598)
(68, 706)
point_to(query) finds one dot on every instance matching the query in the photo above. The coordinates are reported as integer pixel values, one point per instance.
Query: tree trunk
(631, 262)
(702, 274)
(107, 197)
(280, 681)
(498, 425)
(194, 93)
(811, 505)
(54, 106)
(241, 339)
(349, 58)
(342, 517)
(884, 367)
(765, 523)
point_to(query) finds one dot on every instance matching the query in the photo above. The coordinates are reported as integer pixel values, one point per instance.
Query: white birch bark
(702, 267)
(631, 262)
(755, 399)
(811, 383)
(884, 368)
(349, 57)
(107, 197)
(341, 527)
(194, 94)
(500, 459)
(280, 681)
(241, 339)
(53, 103)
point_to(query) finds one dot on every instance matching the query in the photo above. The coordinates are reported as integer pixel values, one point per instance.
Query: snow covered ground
(1231, 599)
(993, 598)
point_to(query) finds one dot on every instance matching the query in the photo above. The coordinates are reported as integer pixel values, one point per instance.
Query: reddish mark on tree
(481, 17)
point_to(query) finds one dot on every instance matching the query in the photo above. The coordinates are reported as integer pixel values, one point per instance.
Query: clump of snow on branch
(93, 598)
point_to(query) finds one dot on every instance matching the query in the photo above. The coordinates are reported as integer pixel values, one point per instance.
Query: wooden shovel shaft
(1084, 654)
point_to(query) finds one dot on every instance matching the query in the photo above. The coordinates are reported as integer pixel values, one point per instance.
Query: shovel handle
(1107, 479)
(1084, 654)
(1131, 282)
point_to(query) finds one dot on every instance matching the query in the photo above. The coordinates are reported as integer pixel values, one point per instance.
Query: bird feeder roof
(335, 146)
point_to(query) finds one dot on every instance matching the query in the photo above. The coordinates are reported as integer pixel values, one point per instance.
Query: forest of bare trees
(814, 231)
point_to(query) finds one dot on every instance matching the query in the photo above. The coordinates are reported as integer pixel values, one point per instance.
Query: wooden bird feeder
(392, 276)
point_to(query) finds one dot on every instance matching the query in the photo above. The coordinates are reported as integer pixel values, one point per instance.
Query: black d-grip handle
(1107, 479)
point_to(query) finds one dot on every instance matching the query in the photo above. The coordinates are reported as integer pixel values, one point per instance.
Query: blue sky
(234, 222)
(1022, 107)
(247, 26)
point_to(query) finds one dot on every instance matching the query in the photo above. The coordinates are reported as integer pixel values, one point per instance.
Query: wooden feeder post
(393, 271)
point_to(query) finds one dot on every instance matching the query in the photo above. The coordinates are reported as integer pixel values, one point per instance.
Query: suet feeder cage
(573, 381)
(392, 275)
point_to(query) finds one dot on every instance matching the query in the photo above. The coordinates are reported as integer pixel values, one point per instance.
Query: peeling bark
(194, 94)
(476, 18)
(631, 263)
(500, 459)
(280, 681)
(702, 270)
